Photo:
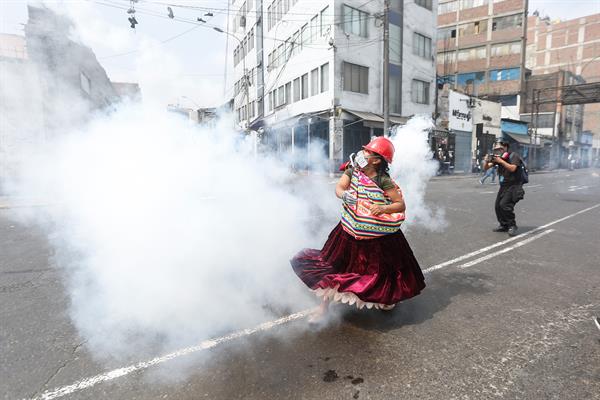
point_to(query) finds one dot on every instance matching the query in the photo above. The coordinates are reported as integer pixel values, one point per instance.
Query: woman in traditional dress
(366, 260)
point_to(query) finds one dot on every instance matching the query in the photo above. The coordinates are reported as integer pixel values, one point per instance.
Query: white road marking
(208, 344)
(484, 249)
(505, 250)
(486, 192)
(532, 186)
(574, 188)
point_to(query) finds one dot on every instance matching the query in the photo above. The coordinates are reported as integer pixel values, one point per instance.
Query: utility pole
(386, 67)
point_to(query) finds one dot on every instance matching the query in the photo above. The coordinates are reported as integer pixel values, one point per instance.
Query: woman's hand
(376, 209)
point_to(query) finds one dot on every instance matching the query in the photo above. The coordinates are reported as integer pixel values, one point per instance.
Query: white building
(316, 70)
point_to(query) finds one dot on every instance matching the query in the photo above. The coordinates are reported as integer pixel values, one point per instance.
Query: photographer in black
(511, 186)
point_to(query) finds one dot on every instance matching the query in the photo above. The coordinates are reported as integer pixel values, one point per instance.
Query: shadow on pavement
(435, 297)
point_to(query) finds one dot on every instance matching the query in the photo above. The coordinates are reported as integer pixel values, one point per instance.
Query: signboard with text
(460, 116)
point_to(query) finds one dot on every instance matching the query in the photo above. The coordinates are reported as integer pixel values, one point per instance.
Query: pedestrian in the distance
(490, 171)
(366, 261)
(511, 186)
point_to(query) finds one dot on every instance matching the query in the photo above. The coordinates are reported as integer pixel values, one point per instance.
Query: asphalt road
(509, 321)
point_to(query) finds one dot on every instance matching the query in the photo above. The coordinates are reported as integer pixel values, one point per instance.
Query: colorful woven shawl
(357, 219)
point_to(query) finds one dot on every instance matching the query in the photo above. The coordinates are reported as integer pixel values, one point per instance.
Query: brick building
(480, 47)
(572, 46)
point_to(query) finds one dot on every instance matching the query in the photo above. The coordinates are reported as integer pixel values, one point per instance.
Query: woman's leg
(320, 312)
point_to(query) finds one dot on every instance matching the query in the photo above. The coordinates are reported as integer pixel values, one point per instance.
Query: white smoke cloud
(168, 233)
(413, 166)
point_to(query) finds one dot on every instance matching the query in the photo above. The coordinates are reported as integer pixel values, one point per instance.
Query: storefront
(460, 124)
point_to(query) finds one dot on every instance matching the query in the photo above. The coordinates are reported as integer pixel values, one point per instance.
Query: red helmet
(382, 146)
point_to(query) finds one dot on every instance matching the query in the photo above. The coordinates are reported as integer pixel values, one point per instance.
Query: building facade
(481, 47)
(572, 46)
(556, 128)
(48, 82)
(315, 71)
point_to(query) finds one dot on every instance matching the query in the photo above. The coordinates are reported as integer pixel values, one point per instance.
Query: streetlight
(245, 75)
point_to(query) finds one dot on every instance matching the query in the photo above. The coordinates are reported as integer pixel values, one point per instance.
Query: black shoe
(513, 230)
(500, 228)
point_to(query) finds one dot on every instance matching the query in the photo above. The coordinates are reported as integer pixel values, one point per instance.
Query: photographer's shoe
(513, 230)
(500, 228)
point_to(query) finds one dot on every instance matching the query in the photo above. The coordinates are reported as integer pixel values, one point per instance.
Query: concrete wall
(423, 21)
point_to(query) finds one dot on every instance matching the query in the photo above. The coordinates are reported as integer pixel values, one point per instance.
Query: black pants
(506, 199)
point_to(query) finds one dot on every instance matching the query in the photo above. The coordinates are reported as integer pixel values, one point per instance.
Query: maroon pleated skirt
(369, 273)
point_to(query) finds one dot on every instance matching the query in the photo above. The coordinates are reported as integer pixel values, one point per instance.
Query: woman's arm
(342, 185)
(397, 203)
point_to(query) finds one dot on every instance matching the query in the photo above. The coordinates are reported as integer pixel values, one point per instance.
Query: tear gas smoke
(413, 167)
(168, 233)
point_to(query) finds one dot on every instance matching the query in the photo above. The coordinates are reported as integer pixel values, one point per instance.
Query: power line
(162, 42)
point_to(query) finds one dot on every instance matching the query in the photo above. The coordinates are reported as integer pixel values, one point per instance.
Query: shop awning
(398, 120)
(366, 116)
(377, 119)
(522, 139)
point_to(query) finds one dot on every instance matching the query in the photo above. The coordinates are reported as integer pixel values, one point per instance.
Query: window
(421, 45)
(281, 96)
(281, 55)
(424, 3)
(395, 44)
(325, 21)
(288, 93)
(470, 78)
(297, 90)
(356, 78)
(444, 8)
(446, 33)
(355, 21)
(474, 53)
(509, 74)
(324, 77)
(86, 83)
(314, 28)
(447, 57)
(395, 95)
(506, 49)
(251, 40)
(304, 89)
(510, 21)
(472, 3)
(269, 18)
(271, 101)
(473, 28)
(314, 82)
(420, 92)
(304, 35)
(295, 43)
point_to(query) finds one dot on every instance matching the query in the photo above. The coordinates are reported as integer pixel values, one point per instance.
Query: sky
(179, 62)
